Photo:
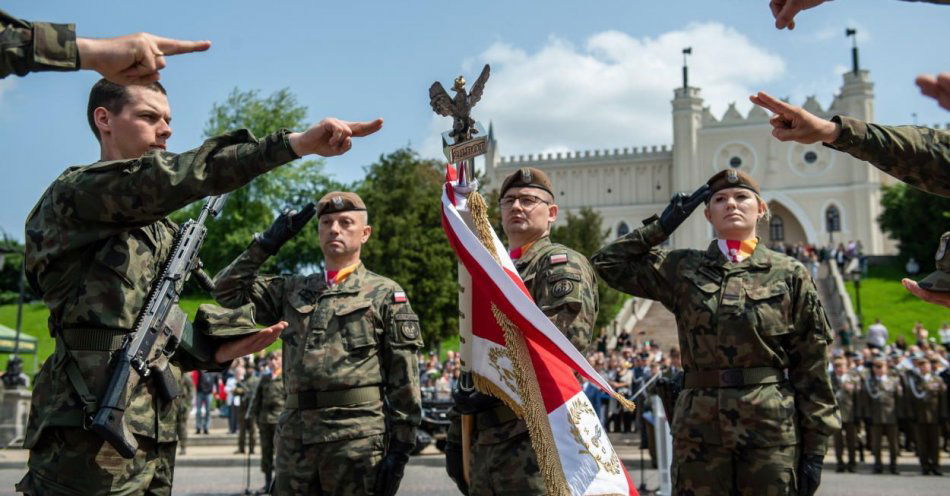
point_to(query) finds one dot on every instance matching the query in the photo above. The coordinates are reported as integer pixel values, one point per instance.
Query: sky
(566, 75)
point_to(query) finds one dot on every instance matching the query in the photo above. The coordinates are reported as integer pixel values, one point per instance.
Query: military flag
(518, 355)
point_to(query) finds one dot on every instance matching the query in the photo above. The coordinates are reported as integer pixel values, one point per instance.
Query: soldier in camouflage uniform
(847, 386)
(41, 46)
(267, 405)
(758, 407)
(353, 400)
(95, 244)
(562, 283)
(247, 427)
(928, 395)
(185, 402)
(883, 393)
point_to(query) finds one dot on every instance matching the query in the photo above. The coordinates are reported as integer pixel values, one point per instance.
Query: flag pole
(466, 168)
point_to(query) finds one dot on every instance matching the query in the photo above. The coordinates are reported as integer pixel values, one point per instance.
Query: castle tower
(491, 155)
(687, 174)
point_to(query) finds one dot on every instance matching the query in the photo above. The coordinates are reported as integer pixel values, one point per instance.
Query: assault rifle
(156, 335)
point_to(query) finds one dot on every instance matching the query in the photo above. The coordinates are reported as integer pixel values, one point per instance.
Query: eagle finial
(459, 84)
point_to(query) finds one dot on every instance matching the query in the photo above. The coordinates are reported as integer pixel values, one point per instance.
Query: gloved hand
(453, 465)
(391, 468)
(680, 207)
(809, 474)
(472, 402)
(285, 226)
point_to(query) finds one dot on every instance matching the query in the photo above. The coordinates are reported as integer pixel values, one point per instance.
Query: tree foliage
(252, 208)
(916, 220)
(584, 233)
(403, 198)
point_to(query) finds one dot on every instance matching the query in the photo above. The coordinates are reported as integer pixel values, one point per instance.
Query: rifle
(155, 336)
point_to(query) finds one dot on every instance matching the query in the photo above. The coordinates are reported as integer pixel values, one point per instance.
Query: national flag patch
(559, 258)
(399, 297)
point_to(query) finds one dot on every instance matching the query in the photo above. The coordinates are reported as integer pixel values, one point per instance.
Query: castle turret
(687, 174)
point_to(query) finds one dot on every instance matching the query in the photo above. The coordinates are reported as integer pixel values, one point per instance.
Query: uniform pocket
(357, 324)
(770, 305)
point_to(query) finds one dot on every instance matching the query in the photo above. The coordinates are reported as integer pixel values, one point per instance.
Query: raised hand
(785, 11)
(331, 136)
(287, 225)
(791, 123)
(937, 87)
(937, 298)
(680, 207)
(134, 58)
(251, 343)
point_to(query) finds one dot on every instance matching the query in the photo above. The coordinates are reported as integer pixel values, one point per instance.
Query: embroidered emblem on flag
(399, 297)
(559, 258)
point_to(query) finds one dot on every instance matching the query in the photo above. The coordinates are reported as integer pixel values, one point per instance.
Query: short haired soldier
(847, 385)
(883, 392)
(353, 400)
(757, 407)
(562, 283)
(928, 396)
(95, 245)
(267, 405)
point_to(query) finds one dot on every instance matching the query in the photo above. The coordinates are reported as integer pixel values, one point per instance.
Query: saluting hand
(680, 207)
(937, 87)
(251, 343)
(785, 11)
(287, 225)
(791, 123)
(134, 58)
(331, 136)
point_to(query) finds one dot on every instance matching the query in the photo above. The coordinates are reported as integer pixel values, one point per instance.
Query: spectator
(877, 335)
(912, 266)
(204, 392)
(920, 333)
(945, 335)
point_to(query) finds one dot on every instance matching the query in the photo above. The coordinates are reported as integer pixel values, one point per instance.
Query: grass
(34, 323)
(883, 297)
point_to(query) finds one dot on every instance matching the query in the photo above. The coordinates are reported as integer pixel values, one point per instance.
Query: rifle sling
(90, 404)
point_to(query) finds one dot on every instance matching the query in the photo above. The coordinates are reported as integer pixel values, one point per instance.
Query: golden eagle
(459, 107)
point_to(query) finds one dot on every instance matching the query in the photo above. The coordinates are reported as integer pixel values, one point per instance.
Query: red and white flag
(520, 356)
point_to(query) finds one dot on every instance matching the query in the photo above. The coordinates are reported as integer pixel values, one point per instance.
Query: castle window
(622, 229)
(832, 219)
(735, 162)
(608, 190)
(810, 157)
(777, 229)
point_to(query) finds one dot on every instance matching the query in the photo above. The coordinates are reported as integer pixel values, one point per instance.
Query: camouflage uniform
(742, 328)
(929, 398)
(185, 402)
(565, 289)
(350, 369)
(247, 426)
(36, 46)
(847, 388)
(919, 156)
(95, 243)
(266, 409)
(883, 401)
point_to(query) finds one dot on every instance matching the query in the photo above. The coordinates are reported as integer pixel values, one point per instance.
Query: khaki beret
(527, 177)
(731, 178)
(339, 201)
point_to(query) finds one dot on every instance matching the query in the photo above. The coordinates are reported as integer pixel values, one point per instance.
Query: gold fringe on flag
(479, 210)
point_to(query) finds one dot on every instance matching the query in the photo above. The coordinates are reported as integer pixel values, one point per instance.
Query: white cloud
(615, 91)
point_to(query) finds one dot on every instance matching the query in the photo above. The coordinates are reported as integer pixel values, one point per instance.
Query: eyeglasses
(528, 202)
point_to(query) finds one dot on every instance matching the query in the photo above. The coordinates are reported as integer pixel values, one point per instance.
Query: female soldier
(757, 407)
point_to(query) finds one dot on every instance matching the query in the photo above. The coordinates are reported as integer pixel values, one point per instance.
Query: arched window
(777, 228)
(832, 219)
(622, 229)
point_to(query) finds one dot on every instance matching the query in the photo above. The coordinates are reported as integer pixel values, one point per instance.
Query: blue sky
(566, 74)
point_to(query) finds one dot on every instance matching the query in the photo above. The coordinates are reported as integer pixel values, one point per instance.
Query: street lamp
(13, 376)
(854, 269)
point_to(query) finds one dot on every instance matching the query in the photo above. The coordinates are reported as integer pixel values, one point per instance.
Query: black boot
(894, 469)
(267, 483)
(840, 468)
(878, 469)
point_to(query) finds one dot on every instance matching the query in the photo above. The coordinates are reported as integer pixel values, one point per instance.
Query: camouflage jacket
(847, 388)
(563, 285)
(761, 312)
(928, 397)
(36, 46)
(883, 398)
(919, 156)
(361, 332)
(268, 402)
(187, 385)
(97, 240)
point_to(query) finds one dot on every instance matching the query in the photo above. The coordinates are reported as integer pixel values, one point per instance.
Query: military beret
(878, 359)
(731, 178)
(220, 322)
(527, 177)
(339, 201)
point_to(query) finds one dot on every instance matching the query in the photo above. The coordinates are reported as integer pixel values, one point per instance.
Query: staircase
(835, 299)
(659, 326)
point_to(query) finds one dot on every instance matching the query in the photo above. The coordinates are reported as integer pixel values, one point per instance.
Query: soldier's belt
(311, 400)
(91, 339)
(731, 378)
(494, 417)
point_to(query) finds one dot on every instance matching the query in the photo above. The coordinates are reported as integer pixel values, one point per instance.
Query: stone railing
(630, 314)
(839, 303)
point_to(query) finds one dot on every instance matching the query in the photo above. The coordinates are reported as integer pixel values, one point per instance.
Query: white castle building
(816, 194)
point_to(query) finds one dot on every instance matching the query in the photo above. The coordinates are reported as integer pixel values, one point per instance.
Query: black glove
(809, 474)
(472, 402)
(453, 465)
(680, 207)
(285, 226)
(391, 468)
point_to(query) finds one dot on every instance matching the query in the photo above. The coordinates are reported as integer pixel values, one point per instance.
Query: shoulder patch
(399, 297)
(558, 258)
(562, 288)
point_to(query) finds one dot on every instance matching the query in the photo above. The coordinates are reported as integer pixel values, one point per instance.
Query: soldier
(353, 401)
(185, 402)
(758, 403)
(42, 46)
(847, 385)
(884, 393)
(929, 397)
(562, 283)
(95, 244)
(247, 427)
(266, 408)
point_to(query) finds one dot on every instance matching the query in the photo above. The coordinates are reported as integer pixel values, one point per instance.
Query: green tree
(10, 271)
(403, 198)
(916, 220)
(584, 232)
(252, 208)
